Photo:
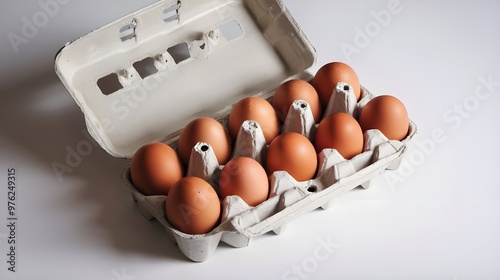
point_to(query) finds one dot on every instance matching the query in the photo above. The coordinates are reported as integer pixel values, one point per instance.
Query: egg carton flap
(143, 77)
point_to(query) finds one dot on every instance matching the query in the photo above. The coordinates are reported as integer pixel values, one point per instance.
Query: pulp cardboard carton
(143, 77)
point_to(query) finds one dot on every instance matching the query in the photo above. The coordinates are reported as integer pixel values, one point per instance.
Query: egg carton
(288, 198)
(143, 77)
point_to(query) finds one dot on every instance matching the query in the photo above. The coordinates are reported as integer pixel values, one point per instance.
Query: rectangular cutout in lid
(109, 84)
(145, 67)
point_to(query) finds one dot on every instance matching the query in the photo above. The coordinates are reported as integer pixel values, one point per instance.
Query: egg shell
(193, 206)
(342, 132)
(206, 130)
(245, 177)
(387, 114)
(294, 153)
(257, 109)
(329, 75)
(293, 90)
(155, 168)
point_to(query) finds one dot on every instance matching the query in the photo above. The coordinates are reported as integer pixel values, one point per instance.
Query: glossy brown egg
(246, 178)
(205, 130)
(342, 132)
(293, 90)
(193, 206)
(387, 114)
(155, 168)
(256, 109)
(294, 153)
(329, 75)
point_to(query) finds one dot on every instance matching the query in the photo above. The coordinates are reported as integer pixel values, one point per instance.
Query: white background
(439, 218)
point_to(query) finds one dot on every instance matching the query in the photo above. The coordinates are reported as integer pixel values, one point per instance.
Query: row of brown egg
(157, 169)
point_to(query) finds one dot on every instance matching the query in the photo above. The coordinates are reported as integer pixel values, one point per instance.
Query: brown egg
(293, 90)
(329, 75)
(294, 153)
(387, 114)
(246, 178)
(342, 132)
(256, 109)
(193, 206)
(205, 130)
(155, 168)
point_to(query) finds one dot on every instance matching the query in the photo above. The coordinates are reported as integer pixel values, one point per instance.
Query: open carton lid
(145, 76)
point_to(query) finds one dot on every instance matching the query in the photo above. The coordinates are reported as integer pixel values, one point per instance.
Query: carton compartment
(288, 197)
